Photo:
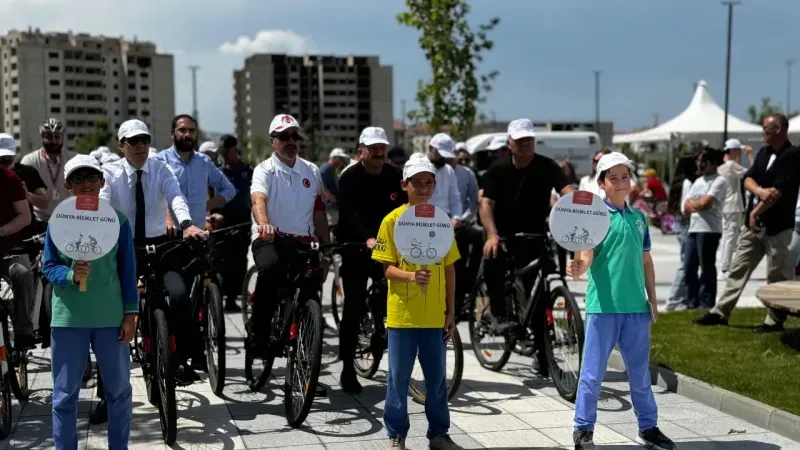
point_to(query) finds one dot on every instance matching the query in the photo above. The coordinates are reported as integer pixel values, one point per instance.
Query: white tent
(702, 120)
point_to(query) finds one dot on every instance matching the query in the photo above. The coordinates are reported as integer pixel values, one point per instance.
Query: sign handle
(576, 257)
(424, 287)
(82, 283)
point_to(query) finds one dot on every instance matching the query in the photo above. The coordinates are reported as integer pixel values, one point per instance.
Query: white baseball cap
(7, 145)
(131, 128)
(282, 122)
(338, 153)
(497, 142)
(81, 162)
(373, 135)
(444, 144)
(461, 146)
(520, 128)
(109, 158)
(418, 162)
(614, 159)
(208, 146)
(732, 143)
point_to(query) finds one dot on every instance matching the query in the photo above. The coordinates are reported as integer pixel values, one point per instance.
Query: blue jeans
(677, 294)
(70, 350)
(404, 346)
(701, 252)
(632, 333)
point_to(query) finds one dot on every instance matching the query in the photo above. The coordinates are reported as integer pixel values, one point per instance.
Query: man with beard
(236, 211)
(195, 173)
(368, 191)
(49, 163)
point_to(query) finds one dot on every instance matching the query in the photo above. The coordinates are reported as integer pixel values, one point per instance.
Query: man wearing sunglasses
(286, 194)
(141, 188)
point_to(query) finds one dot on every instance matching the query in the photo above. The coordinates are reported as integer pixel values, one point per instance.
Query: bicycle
(373, 342)
(290, 335)
(534, 315)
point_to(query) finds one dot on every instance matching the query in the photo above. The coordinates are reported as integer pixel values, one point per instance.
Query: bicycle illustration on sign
(84, 247)
(417, 248)
(577, 238)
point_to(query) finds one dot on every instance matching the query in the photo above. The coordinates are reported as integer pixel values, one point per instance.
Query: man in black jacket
(368, 192)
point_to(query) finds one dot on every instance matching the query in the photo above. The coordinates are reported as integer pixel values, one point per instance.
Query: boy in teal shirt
(620, 304)
(103, 316)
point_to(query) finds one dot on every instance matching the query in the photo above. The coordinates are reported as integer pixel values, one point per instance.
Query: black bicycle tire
(255, 383)
(165, 359)
(253, 271)
(501, 362)
(336, 285)
(5, 391)
(313, 308)
(377, 343)
(570, 304)
(215, 313)
(458, 372)
(21, 390)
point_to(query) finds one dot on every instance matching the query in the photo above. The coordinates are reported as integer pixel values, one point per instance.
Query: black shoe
(88, 372)
(232, 307)
(655, 439)
(185, 375)
(349, 380)
(100, 414)
(710, 318)
(321, 391)
(583, 439)
(764, 329)
(24, 342)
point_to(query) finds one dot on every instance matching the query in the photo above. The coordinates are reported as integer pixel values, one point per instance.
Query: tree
(100, 136)
(454, 50)
(254, 149)
(766, 109)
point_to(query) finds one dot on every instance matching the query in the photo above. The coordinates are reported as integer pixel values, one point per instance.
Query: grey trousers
(751, 249)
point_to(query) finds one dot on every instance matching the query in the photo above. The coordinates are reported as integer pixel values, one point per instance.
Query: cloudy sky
(650, 52)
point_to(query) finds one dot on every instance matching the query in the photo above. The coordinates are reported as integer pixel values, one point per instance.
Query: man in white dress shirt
(141, 187)
(441, 148)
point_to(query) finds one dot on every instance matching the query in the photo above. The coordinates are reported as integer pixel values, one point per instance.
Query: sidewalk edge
(739, 406)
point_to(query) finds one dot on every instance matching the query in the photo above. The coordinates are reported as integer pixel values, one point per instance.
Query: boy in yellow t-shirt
(418, 323)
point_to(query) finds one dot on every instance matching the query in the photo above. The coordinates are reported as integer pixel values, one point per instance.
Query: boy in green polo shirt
(620, 303)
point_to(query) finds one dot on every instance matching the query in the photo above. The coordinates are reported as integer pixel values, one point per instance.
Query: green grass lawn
(762, 367)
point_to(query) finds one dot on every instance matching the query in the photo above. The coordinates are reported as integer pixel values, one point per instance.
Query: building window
(53, 54)
(55, 83)
(55, 96)
(131, 73)
(131, 113)
(14, 94)
(144, 87)
(143, 74)
(131, 99)
(14, 108)
(116, 74)
(132, 86)
(53, 69)
(145, 100)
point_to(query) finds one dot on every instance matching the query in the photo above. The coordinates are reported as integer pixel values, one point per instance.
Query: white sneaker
(722, 276)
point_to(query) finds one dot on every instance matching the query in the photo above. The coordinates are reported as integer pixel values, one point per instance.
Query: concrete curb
(739, 406)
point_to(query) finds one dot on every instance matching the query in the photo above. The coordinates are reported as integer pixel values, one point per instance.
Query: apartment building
(79, 79)
(335, 96)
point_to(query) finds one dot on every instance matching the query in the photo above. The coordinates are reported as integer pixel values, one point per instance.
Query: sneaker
(349, 380)
(100, 414)
(24, 342)
(655, 439)
(583, 439)
(443, 442)
(185, 375)
(397, 442)
(765, 328)
(710, 318)
(722, 276)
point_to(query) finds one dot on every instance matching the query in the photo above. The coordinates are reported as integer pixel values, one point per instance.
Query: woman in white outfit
(732, 171)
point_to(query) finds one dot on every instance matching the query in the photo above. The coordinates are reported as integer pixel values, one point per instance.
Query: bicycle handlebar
(322, 248)
(525, 236)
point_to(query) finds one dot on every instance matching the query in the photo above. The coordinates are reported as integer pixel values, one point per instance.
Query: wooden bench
(784, 295)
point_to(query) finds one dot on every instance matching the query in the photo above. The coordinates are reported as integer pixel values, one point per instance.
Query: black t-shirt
(33, 182)
(783, 175)
(365, 199)
(522, 195)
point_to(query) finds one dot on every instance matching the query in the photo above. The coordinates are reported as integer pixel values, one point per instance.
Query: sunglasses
(80, 178)
(284, 136)
(138, 140)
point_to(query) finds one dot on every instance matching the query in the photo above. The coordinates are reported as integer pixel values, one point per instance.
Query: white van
(577, 146)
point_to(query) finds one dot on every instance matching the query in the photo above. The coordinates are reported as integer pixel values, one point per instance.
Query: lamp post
(194, 91)
(730, 4)
(789, 63)
(596, 101)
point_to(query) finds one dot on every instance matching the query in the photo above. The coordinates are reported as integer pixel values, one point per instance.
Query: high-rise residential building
(80, 79)
(333, 97)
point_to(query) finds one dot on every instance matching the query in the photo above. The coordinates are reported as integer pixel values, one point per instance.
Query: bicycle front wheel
(563, 341)
(165, 376)
(6, 416)
(337, 295)
(18, 363)
(492, 351)
(303, 365)
(454, 370)
(215, 339)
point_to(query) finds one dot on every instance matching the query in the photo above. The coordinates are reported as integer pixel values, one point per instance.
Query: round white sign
(423, 234)
(84, 228)
(579, 221)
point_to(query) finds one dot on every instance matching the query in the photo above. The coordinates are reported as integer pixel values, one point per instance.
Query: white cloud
(270, 41)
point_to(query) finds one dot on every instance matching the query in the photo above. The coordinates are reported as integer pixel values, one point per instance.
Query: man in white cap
(141, 188)
(441, 148)
(516, 199)
(733, 208)
(209, 148)
(368, 191)
(327, 171)
(15, 216)
(286, 194)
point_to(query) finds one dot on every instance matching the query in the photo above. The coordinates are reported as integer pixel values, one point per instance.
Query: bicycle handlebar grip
(83, 283)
